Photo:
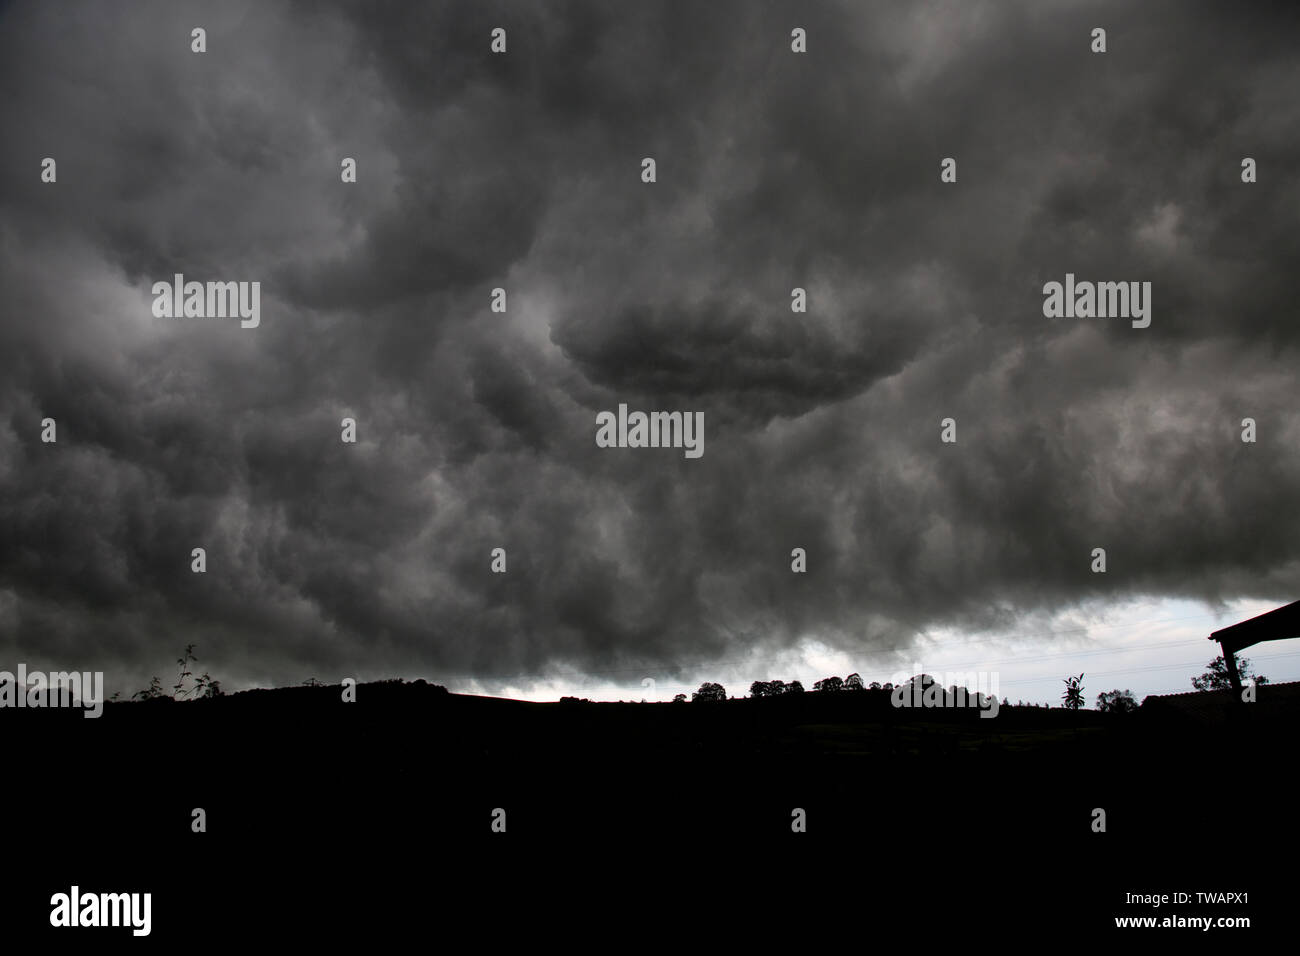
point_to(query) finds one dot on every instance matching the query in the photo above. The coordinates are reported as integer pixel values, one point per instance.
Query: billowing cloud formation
(775, 170)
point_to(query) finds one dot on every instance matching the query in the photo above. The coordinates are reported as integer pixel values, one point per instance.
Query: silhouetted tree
(875, 685)
(1216, 675)
(679, 699)
(853, 682)
(829, 683)
(794, 687)
(1116, 702)
(775, 688)
(710, 691)
(1073, 696)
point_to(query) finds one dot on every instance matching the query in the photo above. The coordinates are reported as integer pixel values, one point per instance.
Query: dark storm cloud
(476, 429)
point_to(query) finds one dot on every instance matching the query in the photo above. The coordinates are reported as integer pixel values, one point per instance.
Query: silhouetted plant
(829, 683)
(1073, 696)
(178, 689)
(155, 689)
(679, 699)
(709, 691)
(773, 688)
(1116, 702)
(1216, 675)
(853, 682)
(202, 686)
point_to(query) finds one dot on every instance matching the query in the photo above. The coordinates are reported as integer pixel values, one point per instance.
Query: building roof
(1276, 625)
(1213, 706)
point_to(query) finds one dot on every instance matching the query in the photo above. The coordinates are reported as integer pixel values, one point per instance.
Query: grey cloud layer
(476, 429)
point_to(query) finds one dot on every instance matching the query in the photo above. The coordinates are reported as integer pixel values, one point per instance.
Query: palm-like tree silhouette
(1073, 695)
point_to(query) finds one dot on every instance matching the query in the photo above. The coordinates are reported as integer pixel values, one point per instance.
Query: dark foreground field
(628, 822)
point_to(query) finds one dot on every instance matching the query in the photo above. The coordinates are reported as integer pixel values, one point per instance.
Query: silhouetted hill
(410, 772)
(862, 724)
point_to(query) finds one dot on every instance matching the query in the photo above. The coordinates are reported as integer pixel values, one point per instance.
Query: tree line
(1108, 701)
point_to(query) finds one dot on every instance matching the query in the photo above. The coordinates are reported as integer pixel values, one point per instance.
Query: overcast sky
(476, 429)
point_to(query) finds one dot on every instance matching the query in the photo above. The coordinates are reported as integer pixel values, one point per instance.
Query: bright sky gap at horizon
(1032, 677)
